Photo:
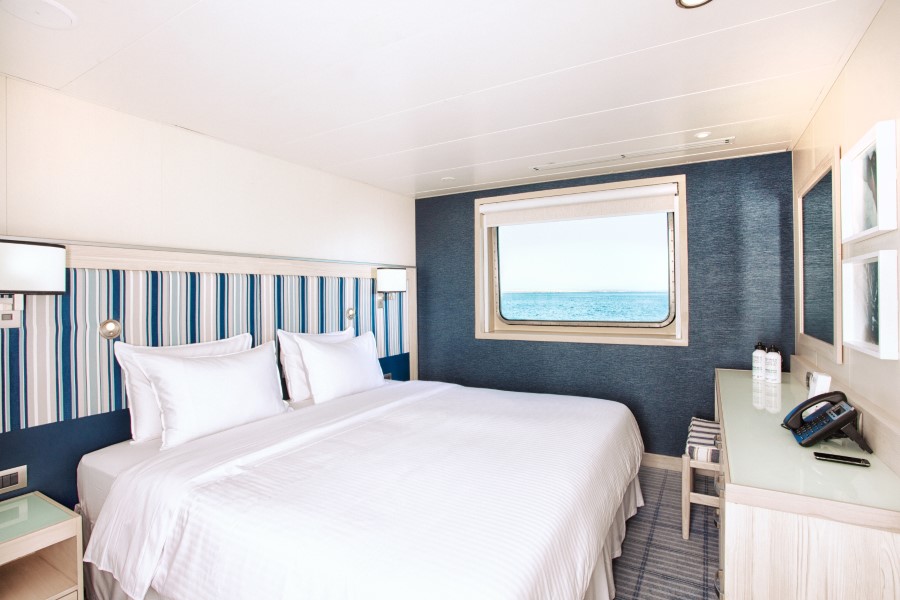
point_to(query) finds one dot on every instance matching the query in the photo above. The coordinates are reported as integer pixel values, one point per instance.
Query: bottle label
(759, 367)
(773, 367)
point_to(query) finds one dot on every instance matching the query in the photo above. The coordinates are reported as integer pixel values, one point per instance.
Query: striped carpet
(656, 564)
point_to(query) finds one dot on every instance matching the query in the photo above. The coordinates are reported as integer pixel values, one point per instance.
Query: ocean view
(632, 307)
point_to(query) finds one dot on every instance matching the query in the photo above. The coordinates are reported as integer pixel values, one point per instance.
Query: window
(600, 264)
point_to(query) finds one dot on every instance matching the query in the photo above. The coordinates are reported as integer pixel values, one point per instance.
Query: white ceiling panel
(756, 52)
(54, 57)
(334, 66)
(399, 94)
(509, 43)
(712, 111)
(218, 50)
(752, 135)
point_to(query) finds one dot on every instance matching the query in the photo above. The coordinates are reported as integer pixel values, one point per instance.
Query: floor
(656, 563)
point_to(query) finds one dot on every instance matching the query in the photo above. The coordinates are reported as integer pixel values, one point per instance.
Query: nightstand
(40, 550)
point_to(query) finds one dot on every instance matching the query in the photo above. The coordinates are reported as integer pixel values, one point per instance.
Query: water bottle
(773, 365)
(759, 362)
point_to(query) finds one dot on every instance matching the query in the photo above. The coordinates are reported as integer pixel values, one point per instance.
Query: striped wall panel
(394, 317)
(57, 367)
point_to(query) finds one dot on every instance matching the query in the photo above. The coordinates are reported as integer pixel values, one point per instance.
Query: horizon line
(586, 292)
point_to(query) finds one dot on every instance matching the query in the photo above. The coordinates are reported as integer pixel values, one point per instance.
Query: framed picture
(870, 303)
(869, 184)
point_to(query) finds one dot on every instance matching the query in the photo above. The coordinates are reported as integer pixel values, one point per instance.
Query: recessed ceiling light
(691, 3)
(448, 178)
(702, 134)
(43, 13)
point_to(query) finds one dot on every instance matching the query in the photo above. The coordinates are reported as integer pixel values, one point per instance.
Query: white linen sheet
(99, 469)
(463, 492)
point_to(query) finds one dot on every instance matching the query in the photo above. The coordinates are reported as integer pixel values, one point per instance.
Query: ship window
(601, 264)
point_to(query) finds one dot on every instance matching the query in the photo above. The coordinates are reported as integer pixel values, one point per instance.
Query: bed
(409, 490)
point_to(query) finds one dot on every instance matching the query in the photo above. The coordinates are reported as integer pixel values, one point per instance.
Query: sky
(629, 253)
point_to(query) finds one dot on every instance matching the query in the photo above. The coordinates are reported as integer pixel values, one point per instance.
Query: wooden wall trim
(139, 259)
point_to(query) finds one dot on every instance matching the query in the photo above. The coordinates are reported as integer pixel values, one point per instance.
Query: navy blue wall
(741, 275)
(52, 451)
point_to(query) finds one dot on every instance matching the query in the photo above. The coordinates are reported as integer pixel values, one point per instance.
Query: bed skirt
(100, 585)
(602, 586)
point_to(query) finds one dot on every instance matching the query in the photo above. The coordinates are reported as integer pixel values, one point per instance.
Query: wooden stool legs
(687, 486)
(688, 495)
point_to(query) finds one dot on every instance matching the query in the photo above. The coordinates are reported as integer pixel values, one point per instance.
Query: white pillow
(339, 369)
(144, 408)
(293, 369)
(200, 396)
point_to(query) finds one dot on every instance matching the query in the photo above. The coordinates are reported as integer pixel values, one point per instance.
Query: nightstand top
(27, 514)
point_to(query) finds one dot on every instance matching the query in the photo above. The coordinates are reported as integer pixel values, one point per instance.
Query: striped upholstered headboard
(57, 367)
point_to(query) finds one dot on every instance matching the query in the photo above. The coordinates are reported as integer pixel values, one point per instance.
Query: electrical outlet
(13, 479)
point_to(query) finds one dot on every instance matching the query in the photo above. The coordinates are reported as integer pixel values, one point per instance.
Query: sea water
(628, 307)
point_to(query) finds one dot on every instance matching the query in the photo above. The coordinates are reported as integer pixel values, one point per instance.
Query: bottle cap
(760, 346)
(774, 349)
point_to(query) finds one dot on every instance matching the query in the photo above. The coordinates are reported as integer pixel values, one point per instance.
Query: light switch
(13, 479)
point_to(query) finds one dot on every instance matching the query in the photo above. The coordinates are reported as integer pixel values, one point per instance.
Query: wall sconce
(389, 281)
(28, 268)
(110, 329)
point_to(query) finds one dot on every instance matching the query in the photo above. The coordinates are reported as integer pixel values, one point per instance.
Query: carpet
(656, 563)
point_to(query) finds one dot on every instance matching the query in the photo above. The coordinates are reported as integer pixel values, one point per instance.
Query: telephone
(834, 418)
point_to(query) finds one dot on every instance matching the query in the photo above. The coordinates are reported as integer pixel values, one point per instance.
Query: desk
(792, 526)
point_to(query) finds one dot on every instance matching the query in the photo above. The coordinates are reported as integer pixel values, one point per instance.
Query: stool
(702, 452)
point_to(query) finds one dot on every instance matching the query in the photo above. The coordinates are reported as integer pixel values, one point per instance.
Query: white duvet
(411, 490)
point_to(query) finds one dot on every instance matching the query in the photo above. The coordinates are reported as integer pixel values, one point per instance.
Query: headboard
(62, 390)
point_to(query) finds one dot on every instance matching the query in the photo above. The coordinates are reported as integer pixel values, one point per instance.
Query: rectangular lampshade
(32, 268)
(390, 280)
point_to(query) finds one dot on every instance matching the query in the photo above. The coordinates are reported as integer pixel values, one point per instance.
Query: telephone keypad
(815, 423)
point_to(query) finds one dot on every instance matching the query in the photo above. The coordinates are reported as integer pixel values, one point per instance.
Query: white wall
(77, 171)
(867, 91)
(2, 154)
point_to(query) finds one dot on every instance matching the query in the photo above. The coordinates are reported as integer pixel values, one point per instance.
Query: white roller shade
(589, 205)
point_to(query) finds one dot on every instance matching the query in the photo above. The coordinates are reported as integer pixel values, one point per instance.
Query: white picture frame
(869, 184)
(870, 304)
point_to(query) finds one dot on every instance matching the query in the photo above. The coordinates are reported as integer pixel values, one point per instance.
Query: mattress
(391, 493)
(99, 469)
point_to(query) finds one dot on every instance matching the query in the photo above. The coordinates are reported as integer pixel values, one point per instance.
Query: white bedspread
(463, 492)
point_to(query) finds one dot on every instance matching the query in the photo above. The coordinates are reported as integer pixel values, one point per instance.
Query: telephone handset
(834, 418)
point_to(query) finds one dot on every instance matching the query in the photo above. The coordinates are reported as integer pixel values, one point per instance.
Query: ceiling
(431, 97)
